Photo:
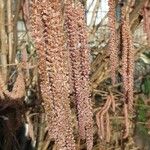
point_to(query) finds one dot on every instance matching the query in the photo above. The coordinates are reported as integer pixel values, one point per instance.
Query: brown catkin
(85, 71)
(146, 16)
(124, 53)
(37, 29)
(80, 68)
(57, 72)
(127, 61)
(37, 35)
(127, 68)
(61, 70)
(130, 69)
(113, 49)
(100, 117)
(73, 46)
(103, 119)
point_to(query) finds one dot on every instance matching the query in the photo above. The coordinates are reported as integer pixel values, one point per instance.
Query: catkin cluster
(127, 59)
(64, 67)
(61, 69)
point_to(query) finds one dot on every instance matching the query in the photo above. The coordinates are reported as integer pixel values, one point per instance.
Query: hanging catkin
(113, 49)
(85, 71)
(124, 53)
(127, 68)
(80, 68)
(52, 53)
(127, 60)
(130, 68)
(57, 74)
(146, 16)
(59, 66)
(37, 30)
(100, 118)
(73, 46)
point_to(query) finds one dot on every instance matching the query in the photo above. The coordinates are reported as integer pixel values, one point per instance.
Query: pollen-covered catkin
(49, 42)
(113, 49)
(77, 44)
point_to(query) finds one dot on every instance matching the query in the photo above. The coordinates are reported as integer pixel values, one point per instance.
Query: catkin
(37, 30)
(73, 46)
(127, 68)
(113, 49)
(126, 121)
(124, 53)
(64, 69)
(85, 71)
(146, 17)
(127, 61)
(100, 118)
(80, 68)
(52, 52)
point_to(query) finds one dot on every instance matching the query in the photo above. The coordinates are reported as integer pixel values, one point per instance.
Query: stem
(10, 27)
(3, 37)
(17, 10)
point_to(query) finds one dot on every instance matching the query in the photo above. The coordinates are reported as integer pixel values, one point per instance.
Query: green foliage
(146, 86)
(142, 129)
(141, 110)
(147, 54)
